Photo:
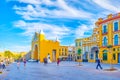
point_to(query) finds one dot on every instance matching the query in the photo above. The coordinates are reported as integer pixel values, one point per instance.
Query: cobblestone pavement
(65, 71)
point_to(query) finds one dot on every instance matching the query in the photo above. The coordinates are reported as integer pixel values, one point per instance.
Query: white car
(32, 60)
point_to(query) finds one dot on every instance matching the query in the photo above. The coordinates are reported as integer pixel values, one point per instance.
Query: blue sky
(65, 19)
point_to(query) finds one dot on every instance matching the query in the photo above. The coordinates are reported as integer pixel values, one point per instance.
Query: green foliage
(79, 51)
(8, 54)
(17, 56)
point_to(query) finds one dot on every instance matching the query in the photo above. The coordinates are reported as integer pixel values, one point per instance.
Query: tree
(17, 57)
(79, 54)
(8, 54)
(79, 51)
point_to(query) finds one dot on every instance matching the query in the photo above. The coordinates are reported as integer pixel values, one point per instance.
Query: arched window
(104, 29)
(105, 41)
(116, 26)
(116, 40)
(105, 55)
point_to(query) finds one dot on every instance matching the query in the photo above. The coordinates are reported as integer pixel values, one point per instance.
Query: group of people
(18, 63)
(46, 60)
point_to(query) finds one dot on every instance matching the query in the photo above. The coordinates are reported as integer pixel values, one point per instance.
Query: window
(59, 49)
(104, 29)
(79, 43)
(118, 49)
(60, 54)
(116, 26)
(113, 49)
(114, 56)
(65, 54)
(104, 56)
(116, 40)
(91, 56)
(78, 57)
(65, 49)
(76, 44)
(104, 41)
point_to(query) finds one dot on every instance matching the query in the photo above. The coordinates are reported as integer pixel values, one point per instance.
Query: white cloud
(64, 10)
(51, 31)
(82, 29)
(110, 5)
(30, 1)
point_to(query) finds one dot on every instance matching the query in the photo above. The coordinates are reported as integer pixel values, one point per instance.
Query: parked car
(32, 60)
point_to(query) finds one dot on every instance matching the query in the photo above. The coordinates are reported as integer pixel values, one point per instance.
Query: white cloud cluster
(34, 10)
(51, 31)
(80, 31)
(110, 5)
(61, 9)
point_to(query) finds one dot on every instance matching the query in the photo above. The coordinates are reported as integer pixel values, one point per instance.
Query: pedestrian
(24, 61)
(18, 64)
(45, 60)
(0, 65)
(3, 65)
(98, 64)
(48, 58)
(58, 61)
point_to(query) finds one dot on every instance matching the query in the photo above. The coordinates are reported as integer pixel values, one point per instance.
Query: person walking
(58, 61)
(3, 65)
(98, 64)
(18, 64)
(45, 61)
(24, 61)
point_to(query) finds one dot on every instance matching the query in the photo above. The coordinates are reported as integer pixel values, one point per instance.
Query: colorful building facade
(71, 53)
(105, 34)
(89, 47)
(43, 48)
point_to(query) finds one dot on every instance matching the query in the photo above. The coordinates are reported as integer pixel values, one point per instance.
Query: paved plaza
(65, 71)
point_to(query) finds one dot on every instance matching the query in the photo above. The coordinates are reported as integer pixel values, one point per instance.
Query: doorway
(35, 53)
(118, 57)
(54, 55)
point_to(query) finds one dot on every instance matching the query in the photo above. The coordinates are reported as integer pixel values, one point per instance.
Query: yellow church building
(104, 42)
(43, 48)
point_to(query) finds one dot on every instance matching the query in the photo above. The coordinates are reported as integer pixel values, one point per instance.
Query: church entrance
(54, 55)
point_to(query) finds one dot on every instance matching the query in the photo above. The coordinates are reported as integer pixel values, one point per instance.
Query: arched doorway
(36, 52)
(94, 53)
(85, 57)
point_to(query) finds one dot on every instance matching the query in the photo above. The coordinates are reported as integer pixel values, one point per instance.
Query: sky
(65, 19)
